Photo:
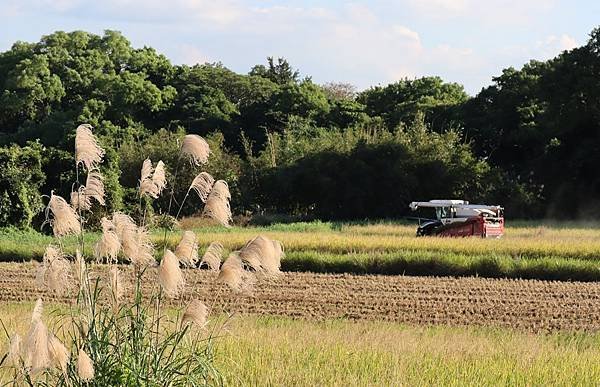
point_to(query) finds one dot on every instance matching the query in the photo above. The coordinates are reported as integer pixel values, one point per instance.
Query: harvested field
(537, 306)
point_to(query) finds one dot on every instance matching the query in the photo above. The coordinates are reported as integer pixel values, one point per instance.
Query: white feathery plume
(170, 275)
(55, 271)
(65, 220)
(147, 187)
(196, 148)
(79, 200)
(94, 187)
(123, 223)
(37, 356)
(135, 241)
(147, 170)
(14, 350)
(232, 272)
(117, 288)
(203, 184)
(221, 189)
(87, 150)
(152, 180)
(263, 254)
(217, 204)
(80, 269)
(195, 313)
(59, 354)
(187, 249)
(38, 309)
(109, 245)
(85, 366)
(159, 177)
(212, 256)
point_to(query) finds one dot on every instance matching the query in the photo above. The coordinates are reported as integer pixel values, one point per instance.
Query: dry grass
(280, 351)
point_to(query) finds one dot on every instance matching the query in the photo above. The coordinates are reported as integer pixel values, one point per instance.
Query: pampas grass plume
(109, 245)
(170, 275)
(37, 357)
(55, 271)
(217, 204)
(232, 272)
(203, 184)
(38, 309)
(85, 366)
(195, 313)
(59, 354)
(14, 350)
(65, 220)
(87, 150)
(196, 148)
(212, 256)
(187, 249)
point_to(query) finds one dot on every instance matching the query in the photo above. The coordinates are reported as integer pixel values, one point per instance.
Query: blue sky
(361, 42)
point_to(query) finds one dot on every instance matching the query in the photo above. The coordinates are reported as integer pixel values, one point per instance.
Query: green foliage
(366, 174)
(533, 132)
(400, 102)
(21, 177)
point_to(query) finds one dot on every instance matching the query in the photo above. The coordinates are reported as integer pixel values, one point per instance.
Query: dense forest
(288, 146)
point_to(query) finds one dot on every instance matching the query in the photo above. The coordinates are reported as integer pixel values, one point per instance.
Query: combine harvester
(458, 218)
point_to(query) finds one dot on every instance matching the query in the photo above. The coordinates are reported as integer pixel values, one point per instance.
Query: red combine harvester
(458, 218)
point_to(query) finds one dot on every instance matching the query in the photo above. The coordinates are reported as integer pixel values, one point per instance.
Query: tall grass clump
(117, 333)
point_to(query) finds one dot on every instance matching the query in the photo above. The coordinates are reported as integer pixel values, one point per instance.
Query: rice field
(281, 351)
(370, 304)
(559, 251)
(526, 305)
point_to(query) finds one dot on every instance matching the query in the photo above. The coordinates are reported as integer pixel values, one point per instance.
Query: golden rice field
(389, 248)
(280, 351)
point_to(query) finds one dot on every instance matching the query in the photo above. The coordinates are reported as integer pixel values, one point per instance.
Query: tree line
(287, 145)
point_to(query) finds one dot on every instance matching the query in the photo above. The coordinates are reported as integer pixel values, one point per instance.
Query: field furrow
(530, 305)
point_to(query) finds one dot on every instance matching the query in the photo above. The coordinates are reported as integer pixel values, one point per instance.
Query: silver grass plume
(14, 350)
(135, 241)
(59, 354)
(159, 177)
(187, 249)
(170, 275)
(212, 256)
(94, 187)
(80, 269)
(232, 273)
(38, 309)
(195, 313)
(217, 204)
(79, 200)
(202, 185)
(64, 220)
(116, 285)
(87, 150)
(37, 356)
(55, 271)
(152, 180)
(196, 148)
(109, 244)
(85, 366)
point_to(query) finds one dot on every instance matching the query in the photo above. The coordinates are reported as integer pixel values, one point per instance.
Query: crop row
(524, 304)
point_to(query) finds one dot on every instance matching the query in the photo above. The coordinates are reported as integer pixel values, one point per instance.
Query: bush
(21, 177)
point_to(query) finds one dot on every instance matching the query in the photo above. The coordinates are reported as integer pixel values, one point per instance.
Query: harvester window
(443, 212)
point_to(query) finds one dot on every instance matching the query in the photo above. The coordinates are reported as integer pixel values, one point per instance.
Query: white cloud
(191, 55)
(553, 45)
(503, 12)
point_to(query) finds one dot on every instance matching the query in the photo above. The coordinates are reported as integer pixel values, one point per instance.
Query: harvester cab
(459, 218)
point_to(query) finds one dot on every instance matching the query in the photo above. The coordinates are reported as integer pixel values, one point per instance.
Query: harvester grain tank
(458, 218)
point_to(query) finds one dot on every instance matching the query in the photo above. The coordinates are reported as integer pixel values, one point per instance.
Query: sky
(365, 43)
